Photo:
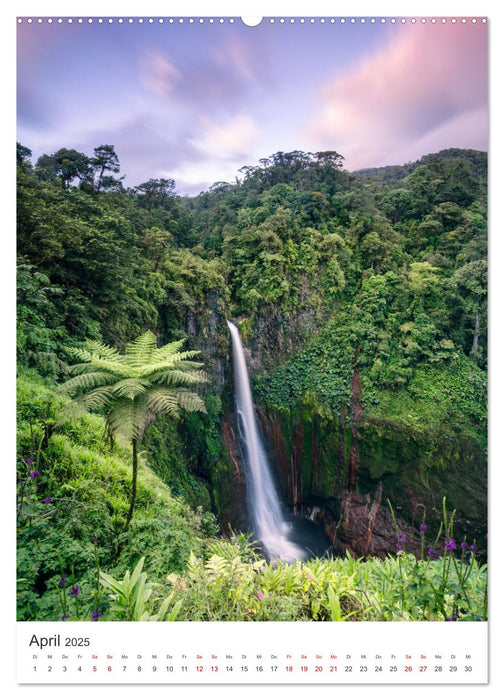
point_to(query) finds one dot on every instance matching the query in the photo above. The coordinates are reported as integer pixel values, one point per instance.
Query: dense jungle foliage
(362, 298)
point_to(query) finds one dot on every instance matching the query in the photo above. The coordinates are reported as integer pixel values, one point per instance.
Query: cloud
(465, 130)
(193, 178)
(409, 95)
(229, 140)
(247, 61)
(217, 153)
(159, 75)
(212, 79)
(200, 109)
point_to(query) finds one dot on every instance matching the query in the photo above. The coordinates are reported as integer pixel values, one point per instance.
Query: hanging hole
(251, 21)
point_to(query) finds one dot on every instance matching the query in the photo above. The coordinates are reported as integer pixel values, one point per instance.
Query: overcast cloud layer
(197, 102)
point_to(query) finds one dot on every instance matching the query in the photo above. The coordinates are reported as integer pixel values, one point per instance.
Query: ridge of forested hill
(390, 174)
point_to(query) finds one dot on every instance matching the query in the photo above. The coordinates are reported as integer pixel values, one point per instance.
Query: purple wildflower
(260, 595)
(28, 461)
(33, 475)
(401, 537)
(473, 548)
(62, 581)
(64, 617)
(450, 544)
(431, 552)
(399, 548)
(464, 545)
(74, 590)
(47, 500)
(96, 615)
(454, 618)
(423, 528)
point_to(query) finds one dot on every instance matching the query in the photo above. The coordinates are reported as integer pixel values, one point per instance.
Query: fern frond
(99, 349)
(170, 363)
(130, 388)
(164, 401)
(146, 370)
(165, 351)
(96, 399)
(87, 381)
(216, 564)
(92, 350)
(187, 365)
(175, 377)
(187, 355)
(139, 351)
(119, 367)
(81, 368)
(190, 401)
(116, 367)
(79, 353)
(193, 567)
(126, 418)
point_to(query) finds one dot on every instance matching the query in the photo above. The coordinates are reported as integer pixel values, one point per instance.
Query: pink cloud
(428, 79)
(160, 75)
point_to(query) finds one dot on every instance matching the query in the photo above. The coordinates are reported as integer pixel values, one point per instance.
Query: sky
(197, 101)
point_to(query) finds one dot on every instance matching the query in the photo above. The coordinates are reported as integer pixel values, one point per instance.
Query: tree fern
(97, 398)
(86, 382)
(132, 388)
(182, 378)
(93, 348)
(167, 350)
(190, 401)
(163, 401)
(139, 352)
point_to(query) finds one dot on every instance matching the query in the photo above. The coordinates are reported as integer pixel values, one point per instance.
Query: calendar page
(252, 349)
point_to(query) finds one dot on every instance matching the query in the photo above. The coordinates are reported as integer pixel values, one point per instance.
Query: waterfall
(269, 525)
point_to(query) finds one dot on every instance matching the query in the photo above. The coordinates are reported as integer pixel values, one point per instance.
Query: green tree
(135, 387)
(471, 281)
(39, 325)
(67, 164)
(23, 155)
(423, 281)
(105, 159)
(156, 193)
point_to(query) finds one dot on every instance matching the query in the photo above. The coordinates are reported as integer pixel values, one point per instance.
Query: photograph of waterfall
(252, 320)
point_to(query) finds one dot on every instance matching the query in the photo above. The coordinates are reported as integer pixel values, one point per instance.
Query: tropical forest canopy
(361, 296)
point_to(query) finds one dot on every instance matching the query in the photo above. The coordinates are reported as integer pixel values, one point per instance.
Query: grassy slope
(81, 527)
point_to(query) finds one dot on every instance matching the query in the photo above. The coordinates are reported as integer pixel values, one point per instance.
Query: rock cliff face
(361, 526)
(228, 483)
(206, 328)
(271, 338)
(312, 456)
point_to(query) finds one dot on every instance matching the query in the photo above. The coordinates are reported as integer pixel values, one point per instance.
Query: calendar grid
(191, 652)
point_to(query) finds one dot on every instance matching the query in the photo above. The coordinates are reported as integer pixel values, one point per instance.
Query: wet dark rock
(233, 515)
(363, 527)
